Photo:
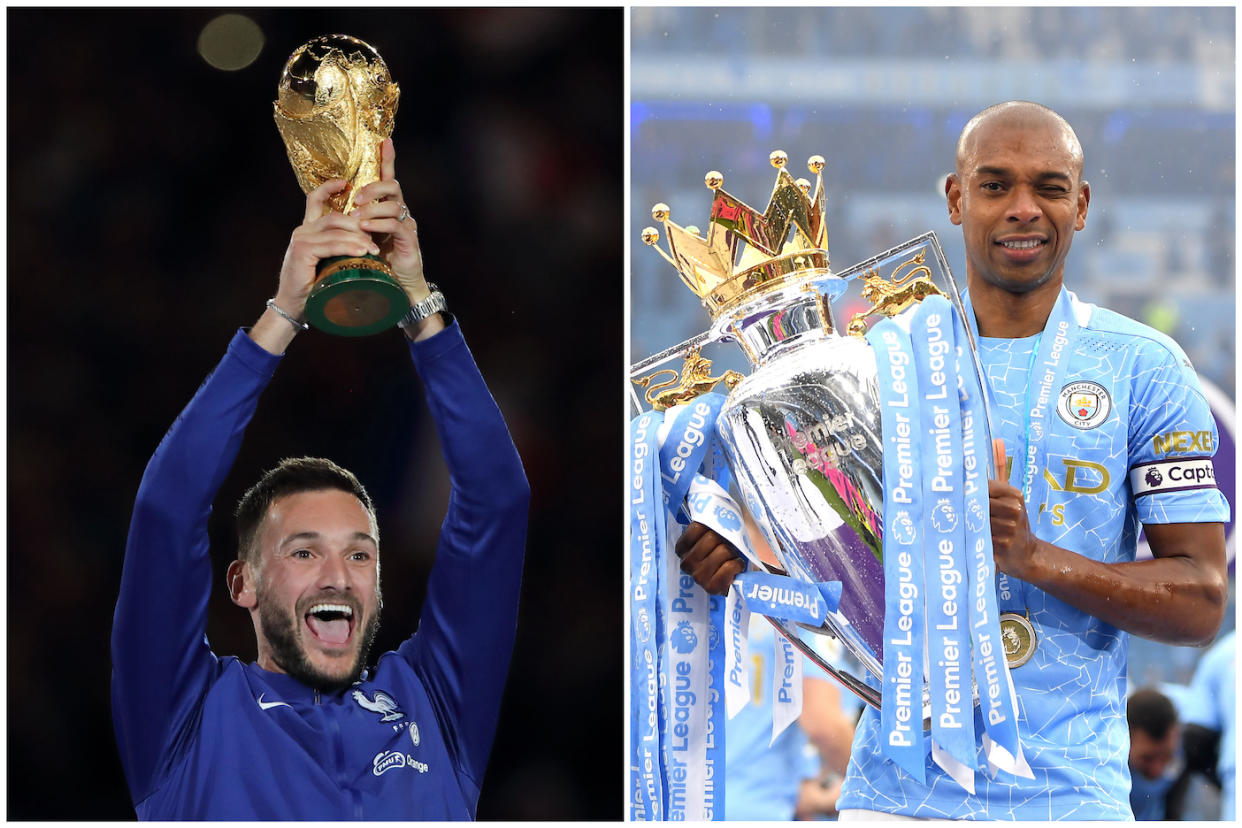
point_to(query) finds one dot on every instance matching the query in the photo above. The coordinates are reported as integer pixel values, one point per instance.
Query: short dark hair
(1151, 711)
(291, 476)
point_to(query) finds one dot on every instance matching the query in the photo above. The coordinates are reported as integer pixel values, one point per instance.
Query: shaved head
(1018, 115)
(1019, 196)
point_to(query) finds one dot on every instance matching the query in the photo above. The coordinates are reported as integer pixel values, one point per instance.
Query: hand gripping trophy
(860, 450)
(335, 106)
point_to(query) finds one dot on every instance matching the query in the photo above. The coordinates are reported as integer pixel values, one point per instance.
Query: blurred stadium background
(883, 93)
(150, 202)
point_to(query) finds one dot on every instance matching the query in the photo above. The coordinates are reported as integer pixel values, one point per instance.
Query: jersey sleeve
(1172, 441)
(161, 663)
(466, 630)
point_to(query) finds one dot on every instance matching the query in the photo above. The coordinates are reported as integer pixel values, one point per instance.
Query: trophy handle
(695, 379)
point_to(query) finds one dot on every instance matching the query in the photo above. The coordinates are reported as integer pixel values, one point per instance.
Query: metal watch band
(421, 310)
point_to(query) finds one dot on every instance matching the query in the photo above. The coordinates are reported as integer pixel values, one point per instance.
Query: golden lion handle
(694, 380)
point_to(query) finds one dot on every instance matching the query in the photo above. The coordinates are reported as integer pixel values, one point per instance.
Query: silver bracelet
(271, 303)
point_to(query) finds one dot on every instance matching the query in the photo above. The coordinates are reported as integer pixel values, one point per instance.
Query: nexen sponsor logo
(1182, 441)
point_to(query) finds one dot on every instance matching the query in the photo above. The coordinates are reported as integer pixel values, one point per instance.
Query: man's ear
(241, 578)
(1084, 198)
(953, 195)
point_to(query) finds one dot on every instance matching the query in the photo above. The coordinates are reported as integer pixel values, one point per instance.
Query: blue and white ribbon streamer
(786, 686)
(646, 563)
(997, 700)
(901, 707)
(941, 615)
(784, 598)
(948, 619)
(689, 668)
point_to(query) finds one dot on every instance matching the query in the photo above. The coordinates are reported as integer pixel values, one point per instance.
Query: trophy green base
(355, 296)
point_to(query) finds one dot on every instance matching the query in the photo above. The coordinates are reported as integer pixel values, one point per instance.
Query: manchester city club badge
(1084, 405)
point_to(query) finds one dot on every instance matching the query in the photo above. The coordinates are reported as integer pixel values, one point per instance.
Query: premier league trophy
(862, 453)
(334, 107)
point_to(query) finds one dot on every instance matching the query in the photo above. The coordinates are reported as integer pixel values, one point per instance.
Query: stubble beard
(280, 629)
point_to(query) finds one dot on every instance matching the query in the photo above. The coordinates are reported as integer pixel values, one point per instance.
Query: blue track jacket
(203, 737)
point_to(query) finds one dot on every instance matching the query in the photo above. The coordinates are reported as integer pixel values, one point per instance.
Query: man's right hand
(320, 236)
(708, 558)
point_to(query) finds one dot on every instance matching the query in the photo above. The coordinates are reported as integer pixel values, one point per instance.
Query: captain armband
(1178, 475)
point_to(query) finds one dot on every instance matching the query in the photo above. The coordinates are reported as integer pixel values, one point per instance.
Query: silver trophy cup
(802, 432)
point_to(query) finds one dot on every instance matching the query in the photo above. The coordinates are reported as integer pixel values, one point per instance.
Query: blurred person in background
(1210, 721)
(1157, 780)
(1019, 195)
(307, 732)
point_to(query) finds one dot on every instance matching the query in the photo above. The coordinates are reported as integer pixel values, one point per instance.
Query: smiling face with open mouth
(1019, 197)
(317, 592)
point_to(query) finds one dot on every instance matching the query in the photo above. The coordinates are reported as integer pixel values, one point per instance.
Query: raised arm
(465, 637)
(160, 657)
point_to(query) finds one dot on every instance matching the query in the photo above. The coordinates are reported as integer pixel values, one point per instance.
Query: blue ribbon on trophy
(997, 699)
(937, 554)
(688, 647)
(646, 625)
(944, 562)
(901, 709)
(694, 645)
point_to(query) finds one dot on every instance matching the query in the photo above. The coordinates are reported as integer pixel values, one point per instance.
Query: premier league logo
(684, 639)
(943, 518)
(903, 529)
(1153, 477)
(975, 518)
(728, 518)
(643, 620)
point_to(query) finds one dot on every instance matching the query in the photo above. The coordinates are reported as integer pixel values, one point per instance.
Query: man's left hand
(1013, 544)
(384, 214)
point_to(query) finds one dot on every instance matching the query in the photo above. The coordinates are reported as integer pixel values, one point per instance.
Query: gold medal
(1018, 636)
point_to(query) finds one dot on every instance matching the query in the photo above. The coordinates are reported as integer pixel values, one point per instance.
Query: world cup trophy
(335, 105)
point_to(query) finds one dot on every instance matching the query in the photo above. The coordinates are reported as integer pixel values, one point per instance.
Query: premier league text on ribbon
(644, 712)
(901, 718)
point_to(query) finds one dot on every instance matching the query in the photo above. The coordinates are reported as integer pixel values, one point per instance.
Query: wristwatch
(421, 310)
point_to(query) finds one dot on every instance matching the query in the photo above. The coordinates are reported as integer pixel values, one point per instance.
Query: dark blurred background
(150, 202)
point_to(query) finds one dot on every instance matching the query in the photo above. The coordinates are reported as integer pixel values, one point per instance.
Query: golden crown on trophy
(783, 244)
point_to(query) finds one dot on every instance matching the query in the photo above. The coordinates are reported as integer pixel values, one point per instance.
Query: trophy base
(355, 296)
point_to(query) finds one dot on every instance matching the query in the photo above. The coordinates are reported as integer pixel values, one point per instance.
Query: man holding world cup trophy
(1100, 429)
(309, 731)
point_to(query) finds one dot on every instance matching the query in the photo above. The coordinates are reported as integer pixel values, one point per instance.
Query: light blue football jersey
(1129, 440)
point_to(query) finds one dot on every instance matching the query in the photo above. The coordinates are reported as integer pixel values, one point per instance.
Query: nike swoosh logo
(269, 705)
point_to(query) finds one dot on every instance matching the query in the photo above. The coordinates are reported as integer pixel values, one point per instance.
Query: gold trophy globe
(334, 107)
